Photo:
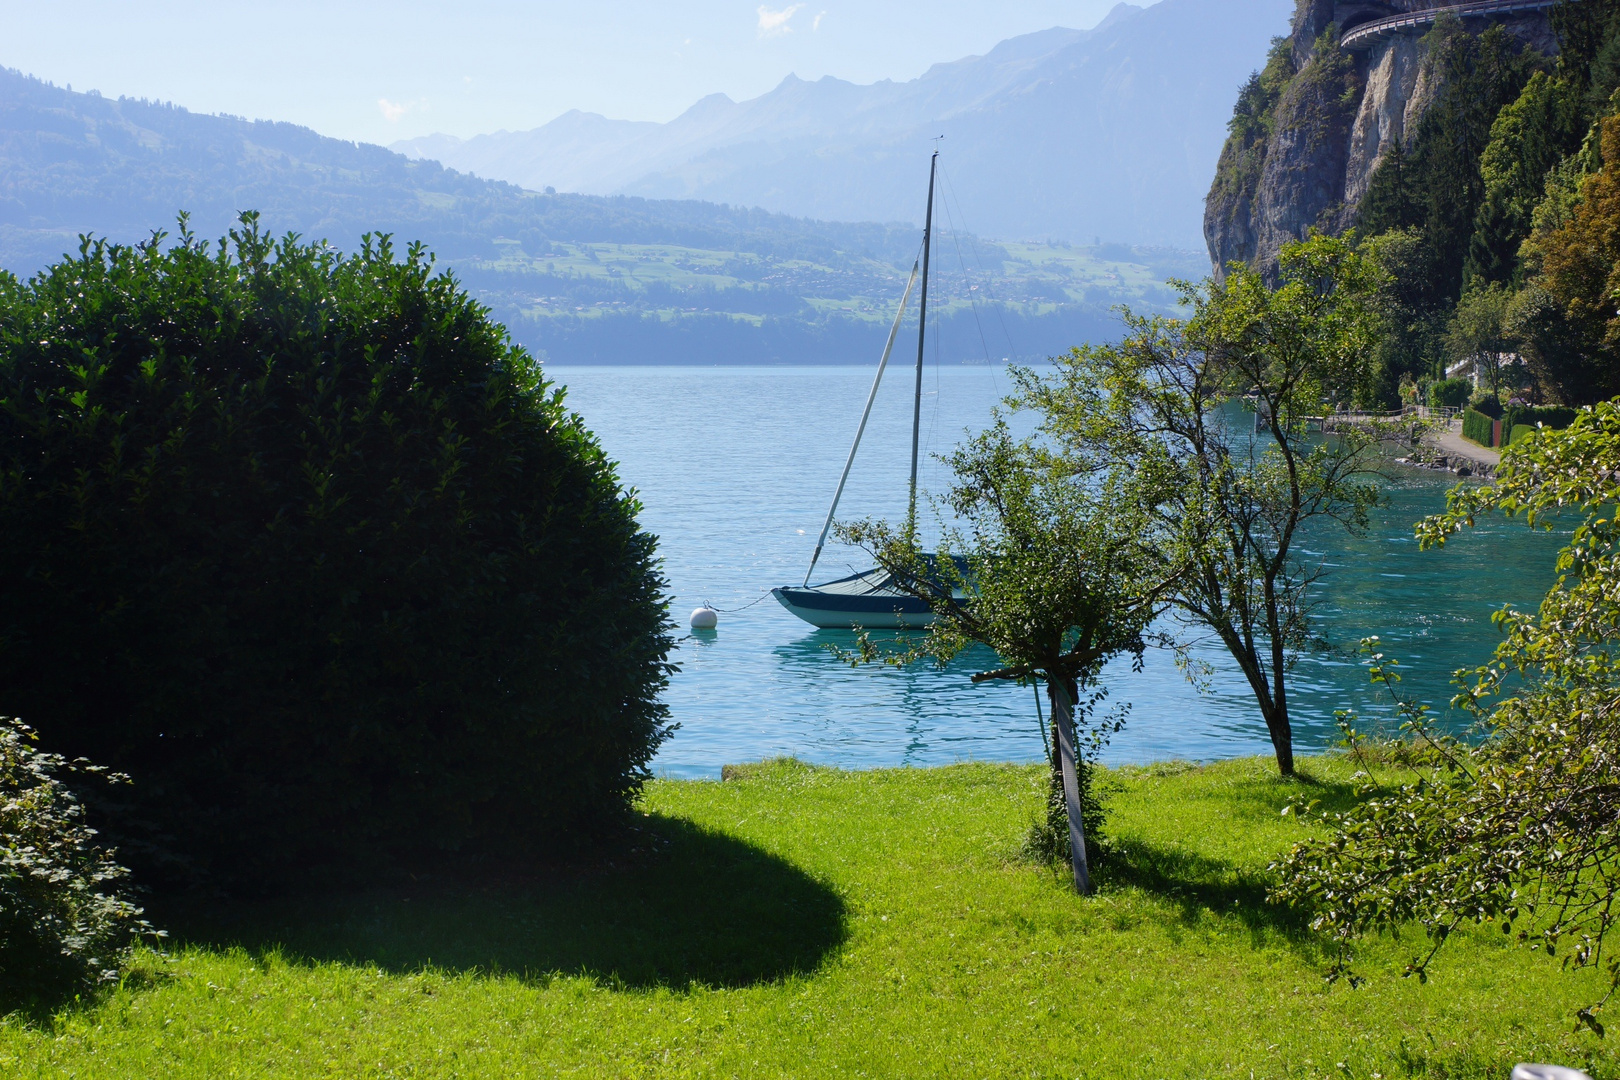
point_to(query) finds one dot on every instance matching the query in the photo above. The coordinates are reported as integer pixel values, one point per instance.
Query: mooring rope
(733, 611)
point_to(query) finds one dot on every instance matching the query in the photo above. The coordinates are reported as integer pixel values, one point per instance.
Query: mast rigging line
(995, 303)
(866, 414)
(916, 408)
(967, 282)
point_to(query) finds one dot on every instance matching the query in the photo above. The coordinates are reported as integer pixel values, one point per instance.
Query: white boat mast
(916, 407)
(922, 328)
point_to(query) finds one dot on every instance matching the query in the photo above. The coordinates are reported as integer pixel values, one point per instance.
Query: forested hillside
(581, 278)
(1482, 170)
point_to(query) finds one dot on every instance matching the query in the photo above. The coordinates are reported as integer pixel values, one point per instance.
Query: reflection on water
(734, 467)
(918, 714)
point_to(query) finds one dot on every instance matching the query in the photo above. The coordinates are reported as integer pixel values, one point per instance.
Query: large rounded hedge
(303, 544)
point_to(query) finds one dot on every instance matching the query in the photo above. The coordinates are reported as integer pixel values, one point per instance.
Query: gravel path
(1451, 442)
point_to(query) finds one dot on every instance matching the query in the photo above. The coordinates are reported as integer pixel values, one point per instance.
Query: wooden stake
(1062, 712)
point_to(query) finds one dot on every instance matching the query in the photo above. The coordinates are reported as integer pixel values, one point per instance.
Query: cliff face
(1398, 87)
(1330, 118)
(1302, 183)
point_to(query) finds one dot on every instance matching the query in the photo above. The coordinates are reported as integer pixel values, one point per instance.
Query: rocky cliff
(1310, 130)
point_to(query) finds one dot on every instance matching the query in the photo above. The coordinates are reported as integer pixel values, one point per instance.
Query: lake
(735, 467)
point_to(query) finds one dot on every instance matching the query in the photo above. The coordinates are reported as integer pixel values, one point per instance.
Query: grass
(795, 921)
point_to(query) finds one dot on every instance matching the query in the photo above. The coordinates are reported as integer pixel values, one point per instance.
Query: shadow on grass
(699, 908)
(1199, 886)
(1263, 798)
(32, 993)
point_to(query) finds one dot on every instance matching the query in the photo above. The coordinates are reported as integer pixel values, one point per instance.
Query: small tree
(1580, 273)
(1480, 332)
(1205, 423)
(66, 921)
(1521, 829)
(1052, 568)
(1451, 393)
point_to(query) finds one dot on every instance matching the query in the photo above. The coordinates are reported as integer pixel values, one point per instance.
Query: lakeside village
(1465, 422)
(336, 650)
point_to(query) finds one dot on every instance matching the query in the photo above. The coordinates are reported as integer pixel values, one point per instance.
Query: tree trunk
(1273, 701)
(1282, 732)
(1063, 718)
(1282, 738)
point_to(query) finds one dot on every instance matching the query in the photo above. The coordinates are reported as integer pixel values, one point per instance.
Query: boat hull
(843, 611)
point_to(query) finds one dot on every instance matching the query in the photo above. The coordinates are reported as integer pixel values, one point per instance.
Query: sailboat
(871, 599)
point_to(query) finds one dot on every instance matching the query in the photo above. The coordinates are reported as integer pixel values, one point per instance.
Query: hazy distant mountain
(587, 278)
(1110, 132)
(75, 162)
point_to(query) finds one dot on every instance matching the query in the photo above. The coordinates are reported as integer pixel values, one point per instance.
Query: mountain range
(576, 277)
(72, 163)
(1109, 133)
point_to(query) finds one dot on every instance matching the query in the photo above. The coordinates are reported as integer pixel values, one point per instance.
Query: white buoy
(705, 618)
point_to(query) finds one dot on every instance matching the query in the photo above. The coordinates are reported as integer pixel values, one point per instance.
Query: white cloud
(393, 110)
(814, 26)
(773, 23)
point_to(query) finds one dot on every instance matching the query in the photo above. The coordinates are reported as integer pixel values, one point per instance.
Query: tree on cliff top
(1589, 49)
(1573, 335)
(1435, 184)
(1529, 137)
(1243, 156)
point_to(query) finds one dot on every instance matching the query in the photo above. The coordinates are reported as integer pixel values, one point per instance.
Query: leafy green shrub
(303, 544)
(1519, 431)
(64, 922)
(1556, 417)
(1517, 829)
(1478, 427)
(1450, 393)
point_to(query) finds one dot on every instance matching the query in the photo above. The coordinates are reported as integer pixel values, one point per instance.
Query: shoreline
(1447, 451)
(733, 770)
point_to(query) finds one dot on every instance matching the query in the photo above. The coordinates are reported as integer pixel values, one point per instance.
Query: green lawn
(810, 922)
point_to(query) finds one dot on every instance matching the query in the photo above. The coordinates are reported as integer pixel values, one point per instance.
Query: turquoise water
(735, 467)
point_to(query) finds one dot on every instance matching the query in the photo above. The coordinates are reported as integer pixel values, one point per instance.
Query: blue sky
(384, 71)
